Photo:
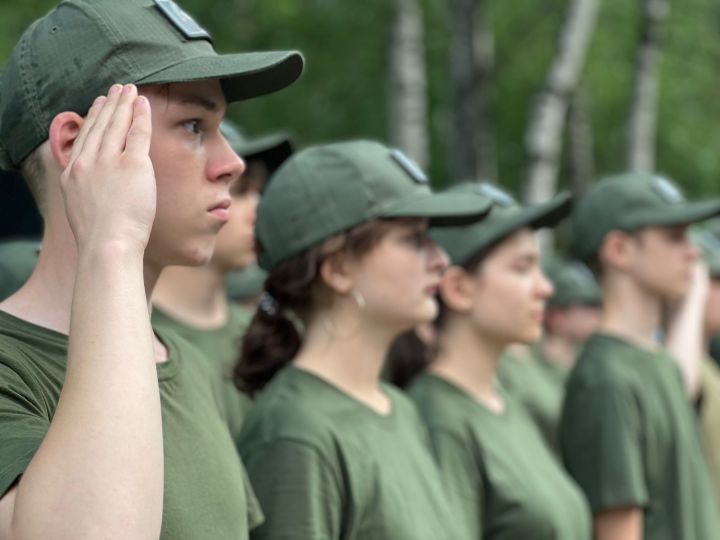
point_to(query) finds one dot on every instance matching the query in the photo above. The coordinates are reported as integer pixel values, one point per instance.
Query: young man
(193, 302)
(107, 430)
(536, 376)
(628, 433)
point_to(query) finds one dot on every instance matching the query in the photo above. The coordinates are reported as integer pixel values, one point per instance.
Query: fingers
(138, 136)
(96, 132)
(87, 124)
(113, 139)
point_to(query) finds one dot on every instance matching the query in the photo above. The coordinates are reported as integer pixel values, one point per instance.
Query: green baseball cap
(73, 54)
(17, 261)
(506, 217)
(277, 146)
(574, 284)
(326, 190)
(628, 202)
(245, 284)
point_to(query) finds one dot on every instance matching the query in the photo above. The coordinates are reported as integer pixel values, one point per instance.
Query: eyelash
(418, 239)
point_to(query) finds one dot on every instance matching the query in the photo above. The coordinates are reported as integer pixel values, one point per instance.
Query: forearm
(685, 341)
(99, 470)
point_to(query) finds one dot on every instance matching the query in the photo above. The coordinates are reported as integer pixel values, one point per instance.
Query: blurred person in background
(18, 258)
(193, 302)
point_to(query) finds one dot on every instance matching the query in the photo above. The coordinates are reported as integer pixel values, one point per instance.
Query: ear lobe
(64, 130)
(334, 273)
(456, 289)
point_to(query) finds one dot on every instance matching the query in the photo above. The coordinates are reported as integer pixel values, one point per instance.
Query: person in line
(192, 300)
(496, 468)
(331, 450)
(109, 430)
(536, 375)
(628, 433)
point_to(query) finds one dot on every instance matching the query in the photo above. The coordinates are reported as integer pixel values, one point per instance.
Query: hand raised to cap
(109, 183)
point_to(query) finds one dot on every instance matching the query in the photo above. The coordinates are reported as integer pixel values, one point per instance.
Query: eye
(193, 126)
(418, 239)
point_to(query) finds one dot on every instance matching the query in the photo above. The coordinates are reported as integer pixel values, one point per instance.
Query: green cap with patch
(326, 190)
(75, 53)
(628, 202)
(574, 284)
(17, 261)
(506, 217)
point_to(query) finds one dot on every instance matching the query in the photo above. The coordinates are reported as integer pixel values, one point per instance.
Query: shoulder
(441, 410)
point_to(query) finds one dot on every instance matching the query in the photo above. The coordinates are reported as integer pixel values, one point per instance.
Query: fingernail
(128, 88)
(115, 89)
(99, 100)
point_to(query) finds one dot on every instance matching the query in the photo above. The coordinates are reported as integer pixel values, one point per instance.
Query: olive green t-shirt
(709, 416)
(206, 492)
(539, 386)
(325, 466)
(497, 469)
(222, 347)
(629, 437)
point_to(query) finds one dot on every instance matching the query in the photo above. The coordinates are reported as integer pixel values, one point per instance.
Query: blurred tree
(547, 125)
(407, 82)
(642, 120)
(471, 56)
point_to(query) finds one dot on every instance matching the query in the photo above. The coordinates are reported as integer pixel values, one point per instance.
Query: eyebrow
(199, 101)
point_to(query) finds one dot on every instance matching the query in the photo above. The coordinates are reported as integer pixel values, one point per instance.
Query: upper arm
(459, 470)
(619, 524)
(298, 489)
(7, 508)
(602, 447)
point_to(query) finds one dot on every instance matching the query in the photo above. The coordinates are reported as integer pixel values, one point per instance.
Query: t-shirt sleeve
(298, 490)
(601, 445)
(460, 474)
(23, 425)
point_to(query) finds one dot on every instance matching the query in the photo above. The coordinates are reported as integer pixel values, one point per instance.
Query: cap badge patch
(181, 20)
(669, 192)
(409, 166)
(497, 195)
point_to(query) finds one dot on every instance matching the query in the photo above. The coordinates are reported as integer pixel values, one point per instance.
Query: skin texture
(619, 524)
(373, 299)
(129, 188)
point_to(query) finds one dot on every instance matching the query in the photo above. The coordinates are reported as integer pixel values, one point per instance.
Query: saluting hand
(109, 183)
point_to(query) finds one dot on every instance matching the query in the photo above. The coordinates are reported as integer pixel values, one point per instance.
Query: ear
(457, 288)
(63, 132)
(616, 250)
(336, 273)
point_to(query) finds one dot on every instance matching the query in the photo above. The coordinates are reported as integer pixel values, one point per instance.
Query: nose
(224, 164)
(438, 260)
(545, 287)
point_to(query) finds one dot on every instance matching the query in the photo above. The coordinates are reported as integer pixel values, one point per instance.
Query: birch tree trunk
(472, 148)
(580, 143)
(642, 121)
(545, 132)
(408, 82)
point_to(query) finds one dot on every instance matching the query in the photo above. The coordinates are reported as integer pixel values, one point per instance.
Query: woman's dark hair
(409, 355)
(273, 338)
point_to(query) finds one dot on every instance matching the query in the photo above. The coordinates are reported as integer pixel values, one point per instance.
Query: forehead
(205, 94)
(521, 243)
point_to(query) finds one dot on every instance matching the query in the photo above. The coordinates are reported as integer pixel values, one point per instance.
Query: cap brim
(443, 209)
(242, 76)
(267, 143)
(681, 214)
(548, 214)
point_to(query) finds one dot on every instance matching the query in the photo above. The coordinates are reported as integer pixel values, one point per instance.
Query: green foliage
(343, 91)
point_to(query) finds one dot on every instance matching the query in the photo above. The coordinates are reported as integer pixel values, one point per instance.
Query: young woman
(331, 450)
(499, 473)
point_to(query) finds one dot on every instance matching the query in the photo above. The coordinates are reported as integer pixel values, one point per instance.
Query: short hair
(33, 171)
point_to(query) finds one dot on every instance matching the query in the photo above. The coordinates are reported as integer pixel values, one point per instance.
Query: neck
(630, 312)
(193, 295)
(559, 350)
(349, 350)
(470, 360)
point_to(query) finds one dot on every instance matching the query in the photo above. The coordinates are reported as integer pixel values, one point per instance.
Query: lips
(221, 210)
